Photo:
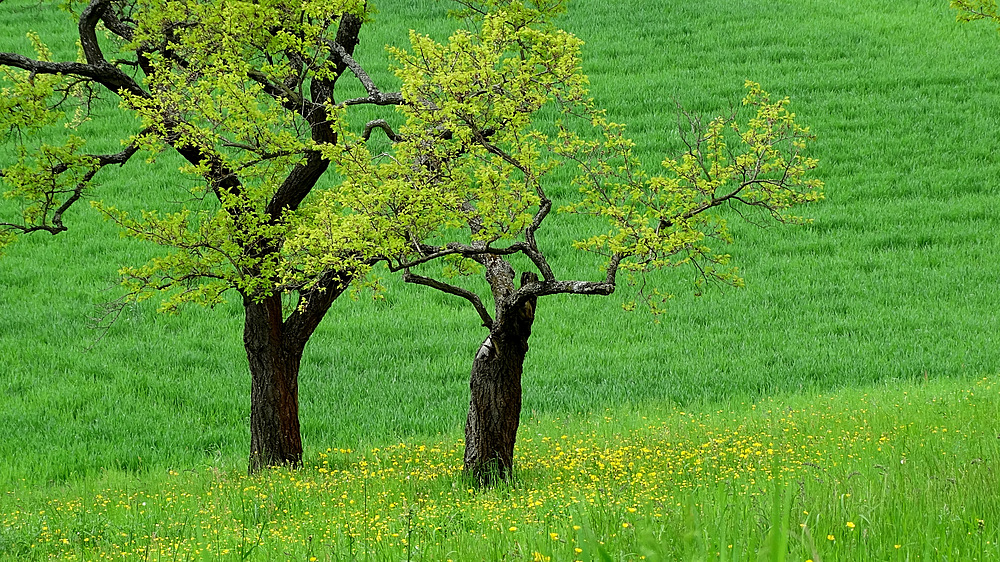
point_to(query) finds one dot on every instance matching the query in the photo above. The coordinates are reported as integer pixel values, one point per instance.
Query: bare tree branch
(88, 31)
(391, 98)
(453, 248)
(375, 96)
(553, 287)
(380, 124)
(314, 303)
(452, 290)
(105, 74)
(116, 25)
(536, 256)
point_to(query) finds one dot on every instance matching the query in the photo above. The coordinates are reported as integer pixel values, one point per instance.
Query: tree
(245, 92)
(491, 115)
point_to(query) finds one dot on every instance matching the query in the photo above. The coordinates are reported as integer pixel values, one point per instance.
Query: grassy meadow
(884, 474)
(815, 400)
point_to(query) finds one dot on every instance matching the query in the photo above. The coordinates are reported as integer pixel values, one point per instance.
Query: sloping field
(891, 473)
(894, 281)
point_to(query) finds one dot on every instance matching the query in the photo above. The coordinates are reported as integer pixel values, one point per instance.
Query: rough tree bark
(495, 381)
(495, 385)
(274, 393)
(274, 351)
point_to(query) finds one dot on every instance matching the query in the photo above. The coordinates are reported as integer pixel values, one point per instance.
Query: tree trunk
(495, 385)
(274, 395)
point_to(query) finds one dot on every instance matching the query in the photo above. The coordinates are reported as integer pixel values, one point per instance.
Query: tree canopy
(491, 115)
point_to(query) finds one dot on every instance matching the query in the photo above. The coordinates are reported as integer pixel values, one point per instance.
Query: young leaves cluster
(469, 155)
(47, 179)
(468, 172)
(743, 162)
(971, 10)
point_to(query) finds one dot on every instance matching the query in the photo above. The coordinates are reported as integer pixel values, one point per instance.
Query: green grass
(895, 472)
(893, 282)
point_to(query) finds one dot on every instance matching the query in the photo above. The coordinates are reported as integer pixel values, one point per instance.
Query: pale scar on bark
(485, 349)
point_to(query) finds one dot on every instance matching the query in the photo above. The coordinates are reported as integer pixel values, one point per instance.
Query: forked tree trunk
(274, 395)
(274, 351)
(495, 404)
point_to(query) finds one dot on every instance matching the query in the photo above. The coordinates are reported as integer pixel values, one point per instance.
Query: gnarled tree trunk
(274, 349)
(495, 385)
(274, 393)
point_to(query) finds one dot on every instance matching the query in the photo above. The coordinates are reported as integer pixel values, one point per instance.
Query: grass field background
(893, 283)
(887, 473)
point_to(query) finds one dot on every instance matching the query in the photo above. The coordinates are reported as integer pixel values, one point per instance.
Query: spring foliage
(244, 92)
(971, 10)
(489, 117)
